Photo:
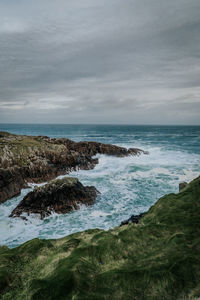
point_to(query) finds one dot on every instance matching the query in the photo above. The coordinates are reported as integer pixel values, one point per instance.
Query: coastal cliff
(158, 258)
(37, 159)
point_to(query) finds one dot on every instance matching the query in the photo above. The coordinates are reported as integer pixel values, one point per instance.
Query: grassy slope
(157, 259)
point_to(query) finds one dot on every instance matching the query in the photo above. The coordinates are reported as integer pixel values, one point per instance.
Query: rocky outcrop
(93, 148)
(133, 219)
(182, 185)
(11, 182)
(40, 158)
(60, 196)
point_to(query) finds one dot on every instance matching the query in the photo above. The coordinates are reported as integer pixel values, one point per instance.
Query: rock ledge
(25, 159)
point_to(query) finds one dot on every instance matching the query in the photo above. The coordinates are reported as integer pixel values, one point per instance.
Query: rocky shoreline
(59, 196)
(157, 259)
(154, 255)
(37, 159)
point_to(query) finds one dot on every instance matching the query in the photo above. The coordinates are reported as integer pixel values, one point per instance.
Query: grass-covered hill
(157, 259)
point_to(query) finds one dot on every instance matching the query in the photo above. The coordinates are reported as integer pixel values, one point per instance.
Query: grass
(157, 259)
(19, 149)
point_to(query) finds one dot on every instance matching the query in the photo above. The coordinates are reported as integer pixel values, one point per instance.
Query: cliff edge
(158, 258)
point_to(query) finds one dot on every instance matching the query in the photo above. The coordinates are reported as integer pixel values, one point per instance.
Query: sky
(102, 62)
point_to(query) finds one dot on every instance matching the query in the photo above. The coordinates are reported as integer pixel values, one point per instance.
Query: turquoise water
(128, 185)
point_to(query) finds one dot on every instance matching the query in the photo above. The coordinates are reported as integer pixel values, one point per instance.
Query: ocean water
(128, 185)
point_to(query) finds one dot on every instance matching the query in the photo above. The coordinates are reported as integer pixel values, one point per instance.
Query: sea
(129, 185)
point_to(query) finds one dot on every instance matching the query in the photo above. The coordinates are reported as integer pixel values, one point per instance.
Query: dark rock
(11, 182)
(60, 196)
(93, 148)
(182, 185)
(133, 219)
(40, 158)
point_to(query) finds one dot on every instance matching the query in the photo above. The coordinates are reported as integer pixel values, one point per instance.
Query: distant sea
(128, 185)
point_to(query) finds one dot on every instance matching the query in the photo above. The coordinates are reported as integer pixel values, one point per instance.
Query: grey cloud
(117, 61)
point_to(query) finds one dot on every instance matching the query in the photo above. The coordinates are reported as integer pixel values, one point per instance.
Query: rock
(93, 148)
(11, 182)
(133, 219)
(40, 158)
(60, 196)
(182, 185)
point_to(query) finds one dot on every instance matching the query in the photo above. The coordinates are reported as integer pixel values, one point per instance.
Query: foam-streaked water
(128, 185)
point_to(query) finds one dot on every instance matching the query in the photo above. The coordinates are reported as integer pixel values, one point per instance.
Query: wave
(128, 185)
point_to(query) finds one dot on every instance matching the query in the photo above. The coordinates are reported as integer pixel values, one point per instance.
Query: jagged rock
(133, 219)
(11, 182)
(93, 148)
(40, 158)
(182, 185)
(60, 196)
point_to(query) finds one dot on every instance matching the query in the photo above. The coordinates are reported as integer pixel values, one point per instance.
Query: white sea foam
(98, 213)
(128, 185)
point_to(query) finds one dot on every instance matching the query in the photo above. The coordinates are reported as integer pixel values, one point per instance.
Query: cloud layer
(100, 61)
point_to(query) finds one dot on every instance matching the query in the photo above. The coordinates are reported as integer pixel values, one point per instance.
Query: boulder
(182, 185)
(11, 182)
(60, 196)
(133, 219)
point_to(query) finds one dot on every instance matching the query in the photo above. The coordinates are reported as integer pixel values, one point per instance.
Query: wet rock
(60, 196)
(40, 158)
(11, 182)
(133, 219)
(93, 148)
(182, 185)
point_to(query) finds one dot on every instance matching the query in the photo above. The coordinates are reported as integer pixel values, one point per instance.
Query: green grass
(21, 149)
(157, 259)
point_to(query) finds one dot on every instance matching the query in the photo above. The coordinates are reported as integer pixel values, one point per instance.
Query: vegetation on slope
(157, 259)
(19, 150)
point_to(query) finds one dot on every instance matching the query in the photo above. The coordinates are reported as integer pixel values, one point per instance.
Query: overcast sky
(100, 61)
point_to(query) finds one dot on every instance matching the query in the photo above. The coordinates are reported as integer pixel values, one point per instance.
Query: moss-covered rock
(159, 258)
(60, 196)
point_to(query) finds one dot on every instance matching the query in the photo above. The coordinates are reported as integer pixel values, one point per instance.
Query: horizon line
(98, 124)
